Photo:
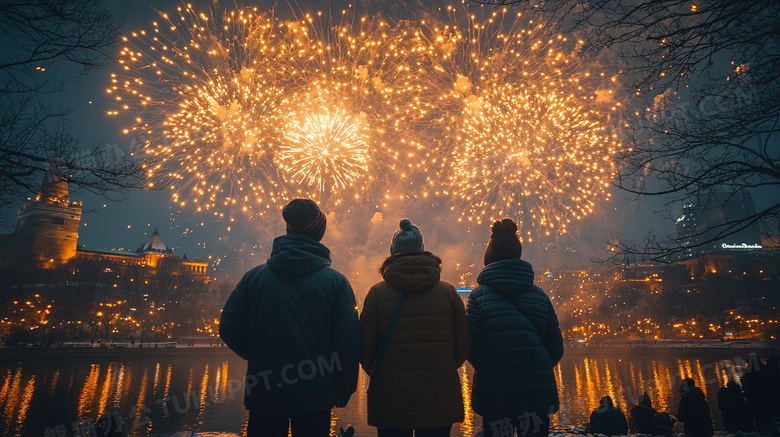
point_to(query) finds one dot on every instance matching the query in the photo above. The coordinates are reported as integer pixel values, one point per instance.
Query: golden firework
(523, 126)
(222, 99)
(208, 95)
(243, 110)
(327, 150)
(529, 154)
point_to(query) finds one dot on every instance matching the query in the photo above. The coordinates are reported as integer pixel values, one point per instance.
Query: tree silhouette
(71, 37)
(705, 77)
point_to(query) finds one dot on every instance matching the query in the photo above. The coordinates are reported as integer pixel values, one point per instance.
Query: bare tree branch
(40, 35)
(706, 76)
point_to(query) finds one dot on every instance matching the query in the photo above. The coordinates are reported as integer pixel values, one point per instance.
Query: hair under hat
(304, 216)
(408, 239)
(503, 243)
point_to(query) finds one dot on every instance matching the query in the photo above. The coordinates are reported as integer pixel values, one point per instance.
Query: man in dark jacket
(295, 320)
(733, 409)
(515, 341)
(694, 411)
(607, 419)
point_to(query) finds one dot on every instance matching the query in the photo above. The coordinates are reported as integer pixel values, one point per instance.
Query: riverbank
(46, 353)
(762, 349)
(171, 350)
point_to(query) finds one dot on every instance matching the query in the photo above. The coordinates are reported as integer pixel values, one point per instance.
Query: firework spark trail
(519, 136)
(538, 158)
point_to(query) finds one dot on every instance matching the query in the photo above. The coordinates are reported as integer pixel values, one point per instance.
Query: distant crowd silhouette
(296, 322)
(753, 410)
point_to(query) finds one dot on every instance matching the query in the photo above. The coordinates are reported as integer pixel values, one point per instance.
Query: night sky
(358, 239)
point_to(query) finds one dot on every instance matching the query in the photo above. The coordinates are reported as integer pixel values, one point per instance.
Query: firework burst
(230, 106)
(243, 110)
(328, 150)
(520, 133)
(208, 95)
(361, 77)
(529, 155)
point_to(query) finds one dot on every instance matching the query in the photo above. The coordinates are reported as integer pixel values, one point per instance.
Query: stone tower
(47, 228)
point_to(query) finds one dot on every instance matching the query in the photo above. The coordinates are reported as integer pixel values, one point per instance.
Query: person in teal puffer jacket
(295, 320)
(515, 341)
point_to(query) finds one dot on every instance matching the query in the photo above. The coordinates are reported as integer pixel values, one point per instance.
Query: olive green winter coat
(416, 385)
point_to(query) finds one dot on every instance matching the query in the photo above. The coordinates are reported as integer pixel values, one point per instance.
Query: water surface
(159, 395)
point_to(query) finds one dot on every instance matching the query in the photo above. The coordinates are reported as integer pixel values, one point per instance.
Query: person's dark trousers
(532, 424)
(432, 432)
(265, 424)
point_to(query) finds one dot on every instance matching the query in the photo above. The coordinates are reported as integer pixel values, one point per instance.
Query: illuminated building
(47, 227)
(740, 254)
(708, 216)
(46, 237)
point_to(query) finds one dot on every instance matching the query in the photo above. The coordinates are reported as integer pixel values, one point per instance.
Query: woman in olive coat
(415, 387)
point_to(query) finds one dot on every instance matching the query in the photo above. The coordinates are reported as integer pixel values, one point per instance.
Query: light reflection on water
(161, 395)
(467, 426)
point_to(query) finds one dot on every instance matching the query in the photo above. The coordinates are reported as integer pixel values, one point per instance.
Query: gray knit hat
(408, 239)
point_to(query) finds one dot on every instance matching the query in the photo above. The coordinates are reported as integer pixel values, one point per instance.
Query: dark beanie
(304, 216)
(408, 239)
(644, 400)
(504, 243)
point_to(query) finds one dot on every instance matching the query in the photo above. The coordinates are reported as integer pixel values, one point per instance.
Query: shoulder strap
(382, 346)
(520, 310)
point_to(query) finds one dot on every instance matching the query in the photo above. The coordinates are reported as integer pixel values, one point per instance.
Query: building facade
(47, 227)
(46, 237)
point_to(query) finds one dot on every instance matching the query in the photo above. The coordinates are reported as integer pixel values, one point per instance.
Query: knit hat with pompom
(504, 243)
(408, 239)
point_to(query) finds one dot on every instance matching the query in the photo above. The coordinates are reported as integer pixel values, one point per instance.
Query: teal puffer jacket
(515, 342)
(294, 319)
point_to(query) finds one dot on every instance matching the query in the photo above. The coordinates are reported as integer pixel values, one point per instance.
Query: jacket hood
(508, 276)
(297, 254)
(414, 272)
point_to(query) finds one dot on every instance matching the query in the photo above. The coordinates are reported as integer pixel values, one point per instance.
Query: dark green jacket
(515, 342)
(295, 320)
